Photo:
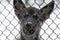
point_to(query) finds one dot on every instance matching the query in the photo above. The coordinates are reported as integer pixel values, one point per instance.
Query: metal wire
(10, 27)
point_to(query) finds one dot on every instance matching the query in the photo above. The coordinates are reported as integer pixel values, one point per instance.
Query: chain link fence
(9, 26)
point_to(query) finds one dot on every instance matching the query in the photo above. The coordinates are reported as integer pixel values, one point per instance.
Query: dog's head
(32, 18)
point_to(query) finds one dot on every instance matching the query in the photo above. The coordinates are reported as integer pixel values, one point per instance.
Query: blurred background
(9, 23)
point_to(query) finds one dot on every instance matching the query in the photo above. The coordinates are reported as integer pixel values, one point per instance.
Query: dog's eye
(25, 16)
(35, 17)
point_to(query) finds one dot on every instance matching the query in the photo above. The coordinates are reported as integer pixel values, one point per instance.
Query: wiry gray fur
(31, 19)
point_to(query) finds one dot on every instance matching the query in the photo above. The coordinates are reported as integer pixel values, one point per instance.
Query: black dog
(31, 19)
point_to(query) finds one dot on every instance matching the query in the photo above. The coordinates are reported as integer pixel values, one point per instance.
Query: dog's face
(32, 18)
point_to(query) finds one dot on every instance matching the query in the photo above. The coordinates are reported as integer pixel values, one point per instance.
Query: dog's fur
(31, 19)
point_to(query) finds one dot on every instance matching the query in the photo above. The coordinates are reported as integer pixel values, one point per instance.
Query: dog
(31, 19)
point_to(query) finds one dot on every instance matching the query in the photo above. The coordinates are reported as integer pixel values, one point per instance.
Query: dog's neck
(30, 37)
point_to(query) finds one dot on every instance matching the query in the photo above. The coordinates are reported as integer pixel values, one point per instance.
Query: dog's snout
(28, 26)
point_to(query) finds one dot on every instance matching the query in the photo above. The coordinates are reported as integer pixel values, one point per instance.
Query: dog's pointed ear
(46, 11)
(18, 4)
(19, 7)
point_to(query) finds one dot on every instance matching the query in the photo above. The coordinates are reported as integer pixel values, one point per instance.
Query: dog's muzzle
(28, 29)
(28, 26)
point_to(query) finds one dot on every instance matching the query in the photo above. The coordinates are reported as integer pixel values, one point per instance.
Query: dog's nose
(28, 26)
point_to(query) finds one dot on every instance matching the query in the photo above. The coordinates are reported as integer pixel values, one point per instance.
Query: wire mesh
(10, 27)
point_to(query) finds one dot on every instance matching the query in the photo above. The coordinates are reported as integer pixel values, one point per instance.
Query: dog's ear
(46, 11)
(19, 7)
(18, 4)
